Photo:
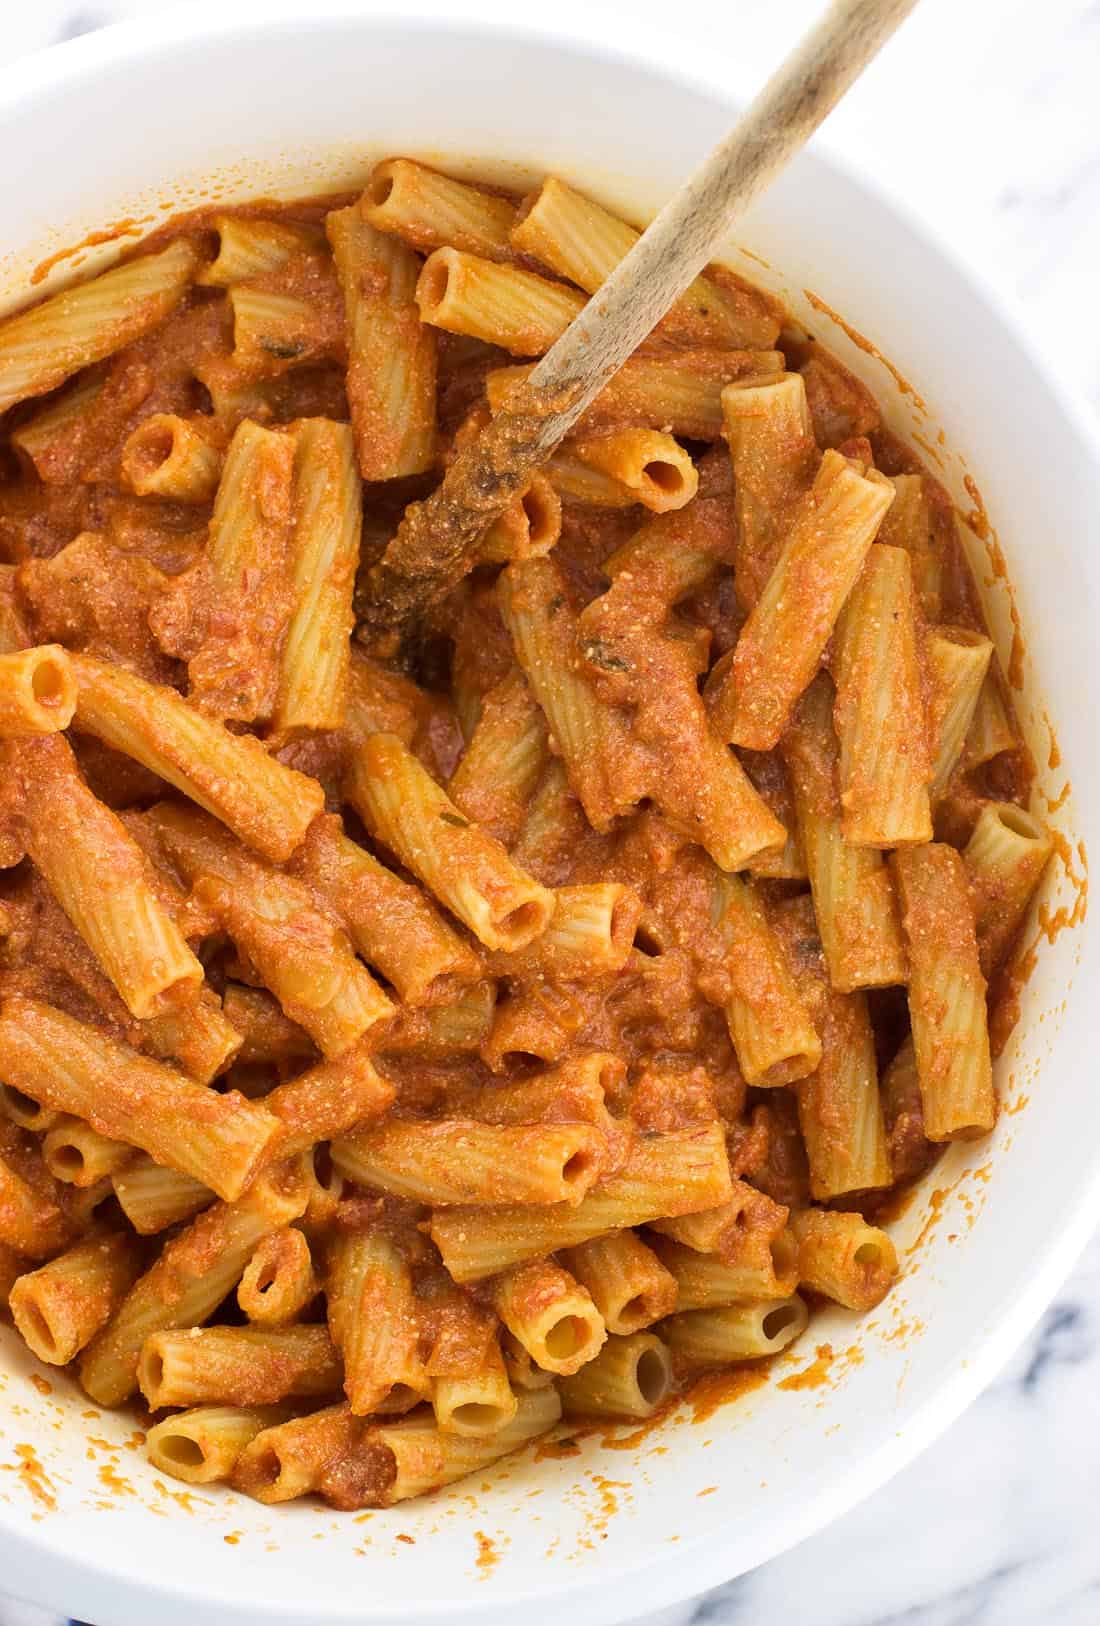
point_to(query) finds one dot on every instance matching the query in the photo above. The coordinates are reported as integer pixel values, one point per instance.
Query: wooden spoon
(435, 544)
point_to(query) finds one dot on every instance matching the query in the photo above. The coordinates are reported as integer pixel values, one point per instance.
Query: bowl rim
(695, 1564)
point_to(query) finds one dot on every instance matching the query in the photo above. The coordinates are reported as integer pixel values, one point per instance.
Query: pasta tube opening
(37, 691)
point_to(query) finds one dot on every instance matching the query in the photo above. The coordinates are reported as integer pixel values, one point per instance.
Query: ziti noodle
(402, 1048)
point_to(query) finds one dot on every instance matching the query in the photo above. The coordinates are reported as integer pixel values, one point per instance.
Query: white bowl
(146, 119)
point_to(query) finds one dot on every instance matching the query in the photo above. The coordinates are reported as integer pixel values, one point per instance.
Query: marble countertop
(983, 116)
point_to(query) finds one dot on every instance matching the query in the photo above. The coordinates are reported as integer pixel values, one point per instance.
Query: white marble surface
(985, 115)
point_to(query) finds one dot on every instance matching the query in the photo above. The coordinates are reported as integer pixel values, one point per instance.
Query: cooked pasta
(411, 1038)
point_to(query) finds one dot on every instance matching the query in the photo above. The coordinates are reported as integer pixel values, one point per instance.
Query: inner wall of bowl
(662, 1513)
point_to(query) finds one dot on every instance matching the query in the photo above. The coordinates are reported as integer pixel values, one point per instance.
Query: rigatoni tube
(279, 1279)
(884, 760)
(154, 1198)
(249, 248)
(174, 457)
(745, 1230)
(393, 925)
(37, 691)
(235, 668)
(843, 1258)
(947, 1007)
(79, 1155)
(328, 1099)
(101, 879)
(61, 1306)
(230, 775)
(753, 691)
(678, 392)
(581, 240)
(392, 1462)
(41, 347)
(549, 1313)
(852, 888)
(464, 867)
(374, 1320)
(391, 354)
(500, 304)
(676, 1173)
(992, 730)
(648, 465)
(461, 1026)
(528, 527)
(198, 1037)
(501, 765)
(266, 1035)
(774, 456)
(772, 1033)
(630, 1377)
(218, 1139)
(761, 1269)
(839, 1110)
(479, 1402)
(629, 1285)
(323, 555)
(202, 1446)
(240, 1366)
(590, 933)
(302, 955)
(196, 1270)
(588, 734)
(739, 1332)
(956, 660)
(457, 1161)
(429, 210)
(1005, 857)
(909, 524)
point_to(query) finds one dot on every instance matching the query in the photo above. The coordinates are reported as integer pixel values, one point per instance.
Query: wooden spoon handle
(436, 541)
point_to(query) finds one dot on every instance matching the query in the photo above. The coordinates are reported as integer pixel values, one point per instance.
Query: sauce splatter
(43, 1385)
(935, 1213)
(487, 1555)
(113, 1481)
(814, 1375)
(903, 1332)
(128, 227)
(1054, 921)
(557, 1450)
(977, 518)
(721, 1388)
(749, 255)
(33, 1477)
(869, 349)
(929, 449)
(609, 1502)
(183, 1499)
(1054, 758)
(1005, 1005)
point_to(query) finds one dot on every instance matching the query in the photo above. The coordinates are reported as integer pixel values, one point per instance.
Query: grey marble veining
(984, 116)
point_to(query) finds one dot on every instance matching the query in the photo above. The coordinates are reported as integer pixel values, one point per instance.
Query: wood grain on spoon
(435, 544)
